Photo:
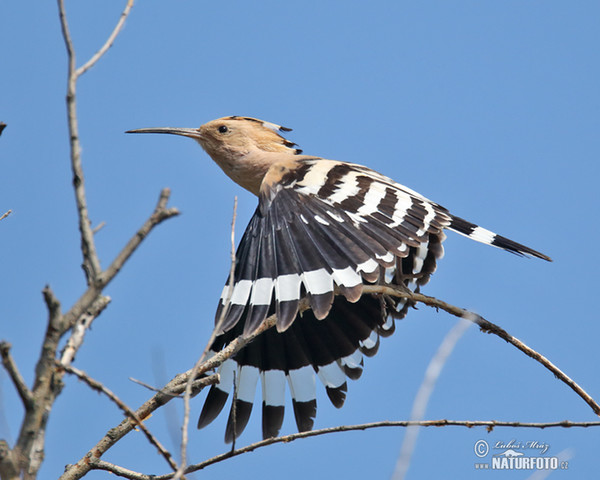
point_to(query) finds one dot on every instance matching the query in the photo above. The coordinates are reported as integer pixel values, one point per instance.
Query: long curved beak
(186, 132)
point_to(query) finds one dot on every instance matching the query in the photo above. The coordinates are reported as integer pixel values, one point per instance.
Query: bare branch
(48, 383)
(197, 385)
(98, 386)
(109, 42)
(5, 214)
(489, 327)
(27, 455)
(15, 375)
(29, 449)
(91, 263)
(98, 227)
(54, 330)
(216, 330)
(145, 385)
(119, 471)
(65, 32)
(489, 424)
(2, 127)
(174, 388)
(160, 214)
(178, 384)
(82, 325)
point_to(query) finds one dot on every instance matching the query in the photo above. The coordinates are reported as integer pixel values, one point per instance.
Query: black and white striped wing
(323, 225)
(309, 237)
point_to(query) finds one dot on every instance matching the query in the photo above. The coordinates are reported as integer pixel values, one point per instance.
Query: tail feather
(480, 234)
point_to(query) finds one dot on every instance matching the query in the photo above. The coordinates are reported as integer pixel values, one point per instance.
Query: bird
(322, 230)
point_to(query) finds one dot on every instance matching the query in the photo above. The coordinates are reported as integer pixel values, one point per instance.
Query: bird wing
(322, 227)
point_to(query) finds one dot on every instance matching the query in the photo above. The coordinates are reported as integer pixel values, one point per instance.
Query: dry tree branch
(160, 214)
(28, 453)
(98, 464)
(186, 396)
(490, 425)
(5, 214)
(91, 263)
(29, 448)
(13, 372)
(120, 471)
(239, 343)
(98, 227)
(144, 384)
(98, 386)
(489, 327)
(83, 323)
(174, 388)
(178, 384)
(109, 42)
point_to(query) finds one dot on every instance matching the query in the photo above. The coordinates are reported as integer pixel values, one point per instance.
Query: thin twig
(109, 42)
(175, 387)
(13, 372)
(489, 327)
(5, 214)
(98, 227)
(215, 332)
(160, 214)
(197, 385)
(432, 373)
(489, 424)
(145, 385)
(119, 471)
(98, 386)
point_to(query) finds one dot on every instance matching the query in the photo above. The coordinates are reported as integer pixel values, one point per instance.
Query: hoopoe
(320, 226)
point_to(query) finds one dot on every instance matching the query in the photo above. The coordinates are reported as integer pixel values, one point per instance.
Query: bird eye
(223, 129)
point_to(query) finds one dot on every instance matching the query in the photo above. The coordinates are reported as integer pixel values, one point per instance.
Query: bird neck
(248, 168)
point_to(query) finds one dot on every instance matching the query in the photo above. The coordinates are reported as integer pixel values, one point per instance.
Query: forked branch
(93, 458)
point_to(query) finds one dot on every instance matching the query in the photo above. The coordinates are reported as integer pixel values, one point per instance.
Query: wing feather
(323, 225)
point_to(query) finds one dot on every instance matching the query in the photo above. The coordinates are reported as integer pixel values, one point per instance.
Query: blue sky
(489, 108)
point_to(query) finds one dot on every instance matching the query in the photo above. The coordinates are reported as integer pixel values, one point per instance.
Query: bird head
(231, 135)
(244, 147)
